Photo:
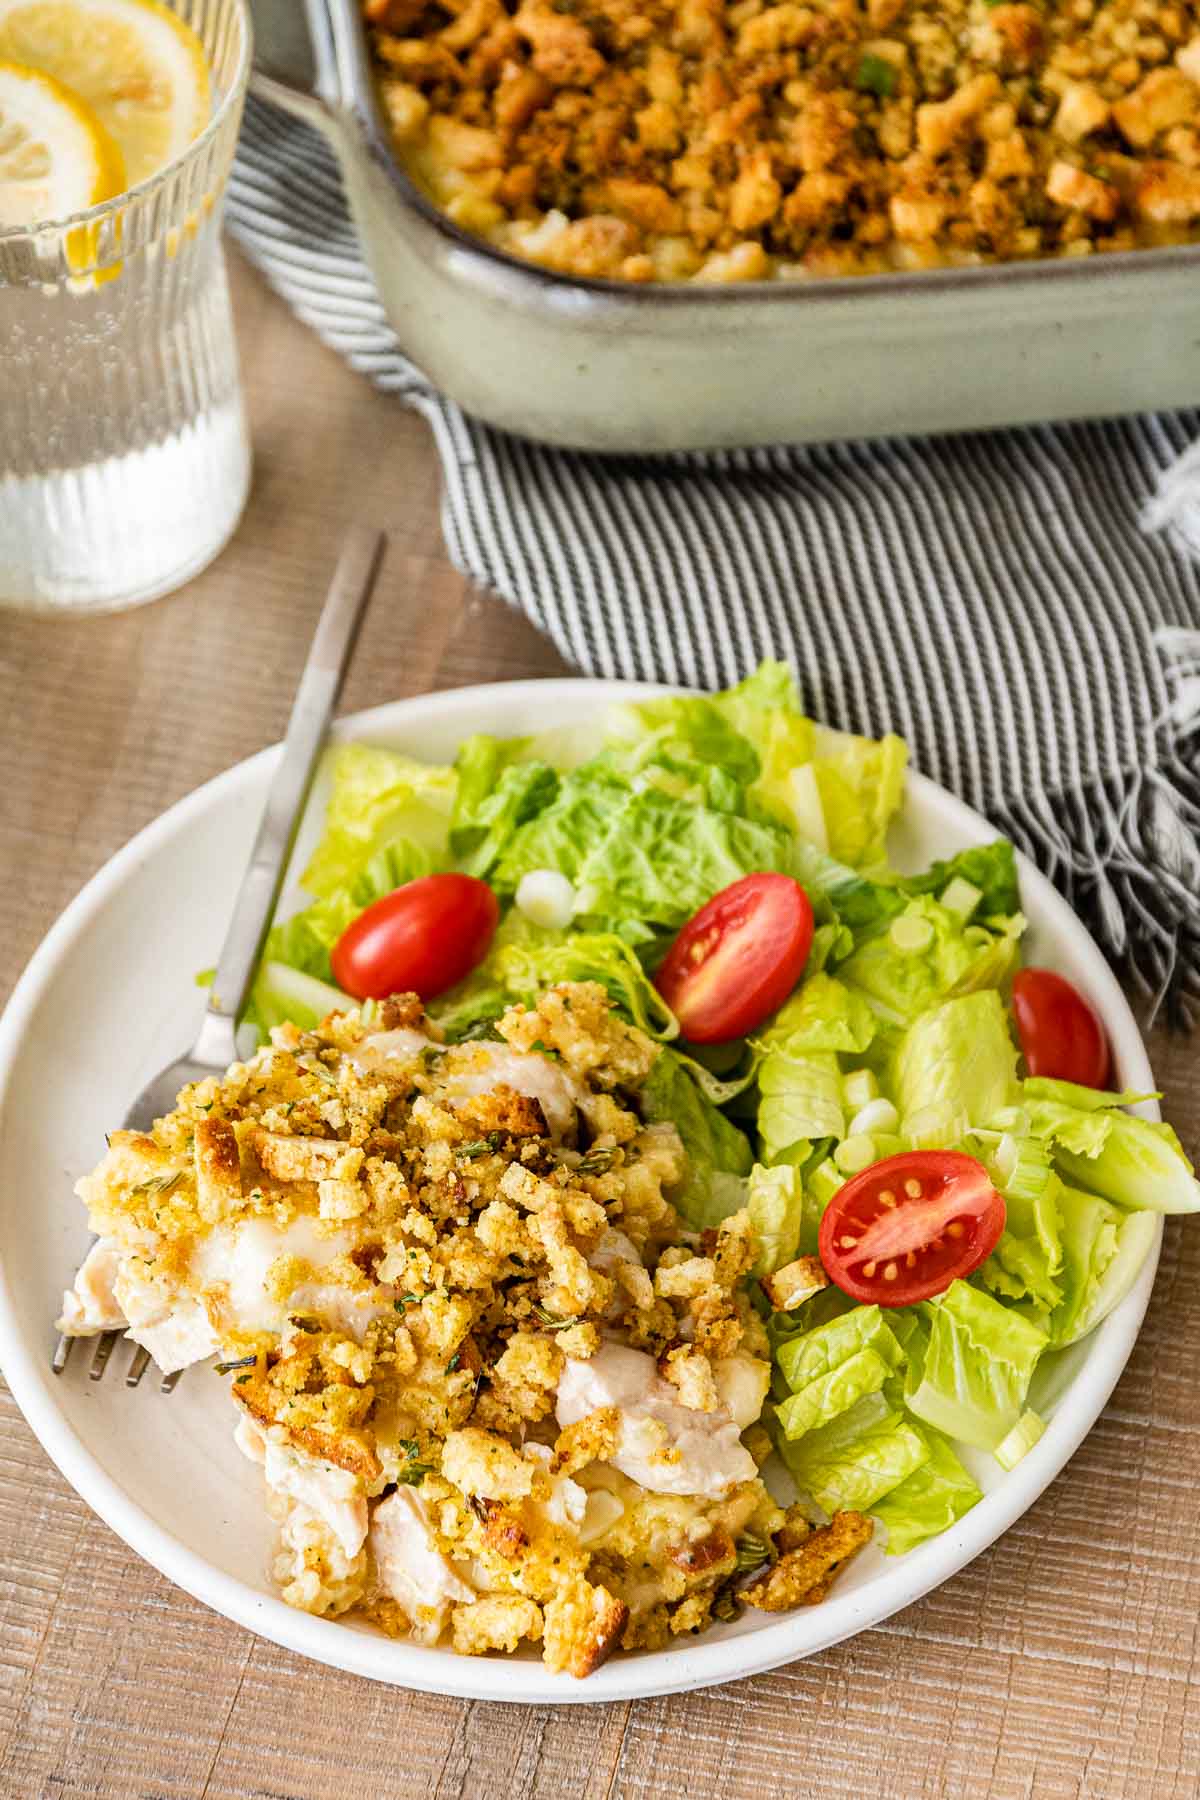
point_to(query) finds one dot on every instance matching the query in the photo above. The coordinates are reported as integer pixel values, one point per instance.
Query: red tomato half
(908, 1226)
(1060, 1034)
(419, 939)
(738, 958)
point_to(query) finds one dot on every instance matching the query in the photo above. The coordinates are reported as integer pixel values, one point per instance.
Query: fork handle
(312, 710)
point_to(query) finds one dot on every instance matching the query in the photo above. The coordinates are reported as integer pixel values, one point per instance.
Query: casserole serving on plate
(623, 366)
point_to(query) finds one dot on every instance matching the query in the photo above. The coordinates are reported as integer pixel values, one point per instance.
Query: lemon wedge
(139, 68)
(55, 156)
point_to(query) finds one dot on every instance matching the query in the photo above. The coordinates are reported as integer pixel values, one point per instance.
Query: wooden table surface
(1063, 1662)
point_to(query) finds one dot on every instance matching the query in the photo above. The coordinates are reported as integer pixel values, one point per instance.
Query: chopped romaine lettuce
(862, 1455)
(836, 790)
(719, 1155)
(800, 1100)
(954, 1067)
(378, 798)
(661, 859)
(928, 953)
(562, 834)
(977, 1368)
(1103, 1248)
(682, 729)
(535, 962)
(928, 1501)
(1028, 1430)
(1139, 1163)
(823, 1014)
(775, 1200)
(835, 1365)
(990, 868)
(1027, 1260)
(281, 993)
(483, 825)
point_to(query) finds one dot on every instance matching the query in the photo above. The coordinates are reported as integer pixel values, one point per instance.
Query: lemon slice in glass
(55, 156)
(135, 63)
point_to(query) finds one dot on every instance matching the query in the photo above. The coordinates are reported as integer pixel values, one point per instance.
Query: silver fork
(216, 1045)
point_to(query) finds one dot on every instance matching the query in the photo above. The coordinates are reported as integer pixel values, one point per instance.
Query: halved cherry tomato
(738, 958)
(908, 1226)
(420, 939)
(1060, 1034)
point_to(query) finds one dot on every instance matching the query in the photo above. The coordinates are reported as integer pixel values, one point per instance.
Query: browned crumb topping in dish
(498, 1391)
(731, 140)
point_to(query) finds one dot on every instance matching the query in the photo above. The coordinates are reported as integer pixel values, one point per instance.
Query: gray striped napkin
(990, 597)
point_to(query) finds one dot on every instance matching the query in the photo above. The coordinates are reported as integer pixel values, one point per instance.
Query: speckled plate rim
(684, 1665)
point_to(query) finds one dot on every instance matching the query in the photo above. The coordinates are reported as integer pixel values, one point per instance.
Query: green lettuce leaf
(1026, 1262)
(835, 1365)
(823, 1014)
(775, 1200)
(661, 859)
(977, 1368)
(928, 954)
(378, 798)
(542, 958)
(800, 1100)
(1104, 1248)
(854, 1461)
(564, 832)
(1139, 1163)
(929, 1500)
(496, 795)
(281, 993)
(678, 731)
(836, 790)
(954, 1067)
(992, 868)
(719, 1155)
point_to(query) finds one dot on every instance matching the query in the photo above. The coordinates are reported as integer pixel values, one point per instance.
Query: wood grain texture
(1061, 1664)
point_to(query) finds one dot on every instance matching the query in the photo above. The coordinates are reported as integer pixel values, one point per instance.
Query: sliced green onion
(908, 934)
(854, 1154)
(961, 896)
(876, 1115)
(1020, 1440)
(860, 1088)
(1020, 1166)
(888, 1143)
(824, 1182)
(936, 1127)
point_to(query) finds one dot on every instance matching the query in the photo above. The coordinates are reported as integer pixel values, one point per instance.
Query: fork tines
(139, 1362)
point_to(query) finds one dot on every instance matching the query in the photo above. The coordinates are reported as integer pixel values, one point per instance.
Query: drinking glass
(124, 459)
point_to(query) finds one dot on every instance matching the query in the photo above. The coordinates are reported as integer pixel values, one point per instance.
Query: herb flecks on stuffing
(729, 140)
(496, 1387)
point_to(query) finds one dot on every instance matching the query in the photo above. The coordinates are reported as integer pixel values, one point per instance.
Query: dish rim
(680, 1667)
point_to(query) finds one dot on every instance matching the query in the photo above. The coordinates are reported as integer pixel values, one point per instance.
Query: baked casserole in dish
(644, 227)
(728, 140)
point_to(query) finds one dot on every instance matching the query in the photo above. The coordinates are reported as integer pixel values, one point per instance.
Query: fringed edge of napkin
(1123, 853)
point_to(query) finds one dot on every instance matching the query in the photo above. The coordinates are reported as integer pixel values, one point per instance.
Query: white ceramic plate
(110, 997)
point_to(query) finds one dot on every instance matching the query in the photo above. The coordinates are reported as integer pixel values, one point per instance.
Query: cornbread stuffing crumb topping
(730, 140)
(497, 1390)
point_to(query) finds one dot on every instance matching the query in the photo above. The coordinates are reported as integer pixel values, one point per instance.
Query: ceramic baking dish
(604, 365)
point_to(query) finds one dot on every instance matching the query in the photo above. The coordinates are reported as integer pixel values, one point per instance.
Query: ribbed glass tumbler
(124, 459)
